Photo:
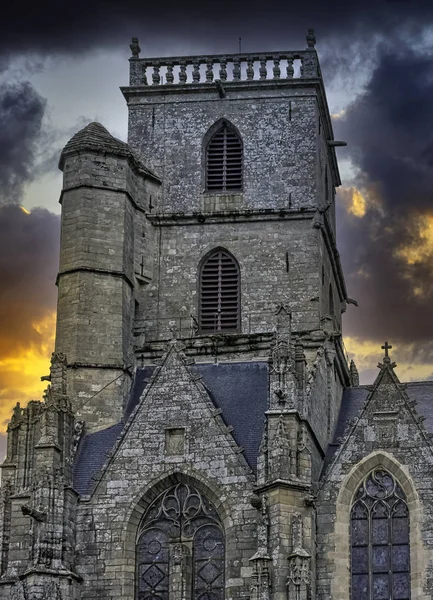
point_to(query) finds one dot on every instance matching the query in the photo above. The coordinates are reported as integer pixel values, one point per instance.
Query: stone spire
(354, 375)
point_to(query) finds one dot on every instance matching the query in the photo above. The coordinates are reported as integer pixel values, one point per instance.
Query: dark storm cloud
(29, 249)
(81, 25)
(21, 113)
(390, 141)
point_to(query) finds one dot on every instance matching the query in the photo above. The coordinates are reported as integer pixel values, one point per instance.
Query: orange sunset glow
(20, 372)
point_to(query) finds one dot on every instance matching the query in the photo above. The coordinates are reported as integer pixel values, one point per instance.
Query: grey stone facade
(254, 428)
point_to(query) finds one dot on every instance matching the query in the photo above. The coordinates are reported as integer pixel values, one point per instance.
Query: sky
(61, 69)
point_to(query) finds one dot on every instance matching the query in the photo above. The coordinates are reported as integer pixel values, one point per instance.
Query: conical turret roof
(95, 137)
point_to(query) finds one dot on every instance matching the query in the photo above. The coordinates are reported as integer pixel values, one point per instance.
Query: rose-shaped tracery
(180, 538)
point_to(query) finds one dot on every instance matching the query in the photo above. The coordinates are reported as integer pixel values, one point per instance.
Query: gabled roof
(354, 400)
(240, 390)
(96, 138)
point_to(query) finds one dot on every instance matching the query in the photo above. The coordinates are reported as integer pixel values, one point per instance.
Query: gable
(239, 390)
(386, 395)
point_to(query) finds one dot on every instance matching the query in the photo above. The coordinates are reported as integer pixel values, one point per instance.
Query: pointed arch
(223, 158)
(180, 544)
(219, 292)
(176, 535)
(341, 538)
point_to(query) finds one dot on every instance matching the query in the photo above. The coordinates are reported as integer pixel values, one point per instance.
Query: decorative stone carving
(354, 375)
(135, 47)
(16, 415)
(311, 38)
(78, 433)
(280, 453)
(260, 578)
(299, 580)
(262, 459)
(47, 504)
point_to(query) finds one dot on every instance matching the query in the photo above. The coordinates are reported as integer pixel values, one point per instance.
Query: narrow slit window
(220, 293)
(331, 301)
(224, 161)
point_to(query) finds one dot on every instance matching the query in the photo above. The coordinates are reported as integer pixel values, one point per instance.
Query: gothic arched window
(380, 560)
(224, 160)
(180, 546)
(219, 298)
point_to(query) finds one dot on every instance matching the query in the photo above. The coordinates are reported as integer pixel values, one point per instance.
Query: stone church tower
(202, 436)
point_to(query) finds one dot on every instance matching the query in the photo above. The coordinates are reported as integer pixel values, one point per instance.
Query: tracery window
(224, 161)
(219, 298)
(180, 548)
(380, 560)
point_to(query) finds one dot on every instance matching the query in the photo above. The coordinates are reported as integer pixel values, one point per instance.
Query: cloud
(390, 145)
(21, 113)
(29, 246)
(413, 363)
(29, 254)
(82, 26)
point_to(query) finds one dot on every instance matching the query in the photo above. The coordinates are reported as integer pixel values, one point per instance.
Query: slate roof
(91, 456)
(97, 138)
(239, 389)
(354, 398)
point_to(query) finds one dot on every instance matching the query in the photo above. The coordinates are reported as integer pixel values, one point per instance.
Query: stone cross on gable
(386, 347)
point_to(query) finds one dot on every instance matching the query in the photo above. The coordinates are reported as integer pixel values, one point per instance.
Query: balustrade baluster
(223, 69)
(276, 70)
(169, 77)
(143, 74)
(301, 68)
(250, 69)
(290, 69)
(263, 69)
(182, 72)
(209, 70)
(236, 69)
(155, 75)
(196, 72)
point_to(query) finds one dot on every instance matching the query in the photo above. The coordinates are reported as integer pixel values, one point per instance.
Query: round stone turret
(106, 191)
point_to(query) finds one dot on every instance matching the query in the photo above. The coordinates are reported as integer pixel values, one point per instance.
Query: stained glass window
(380, 561)
(180, 546)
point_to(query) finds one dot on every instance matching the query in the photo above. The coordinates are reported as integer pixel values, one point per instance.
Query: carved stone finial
(354, 375)
(386, 347)
(135, 47)
(16, 415)
(311, 38)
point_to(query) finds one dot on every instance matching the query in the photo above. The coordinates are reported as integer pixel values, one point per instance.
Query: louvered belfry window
(224, 161)
(220, 293)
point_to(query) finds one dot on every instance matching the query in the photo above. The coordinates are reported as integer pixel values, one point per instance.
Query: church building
(202, 435)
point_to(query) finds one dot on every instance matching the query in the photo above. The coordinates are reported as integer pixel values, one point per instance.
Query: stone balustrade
(228, 68)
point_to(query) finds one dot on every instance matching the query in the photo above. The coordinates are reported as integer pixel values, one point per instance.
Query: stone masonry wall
(211, 460)
(278, 130)
(103, 206)
(387, 434)
(260, 248)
